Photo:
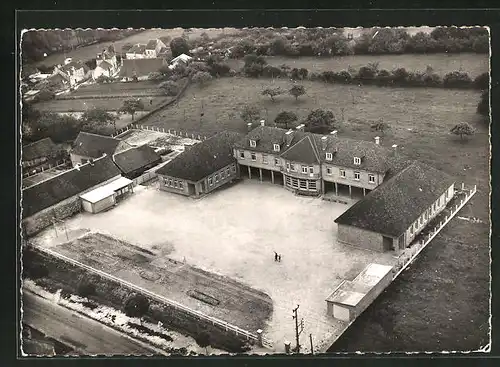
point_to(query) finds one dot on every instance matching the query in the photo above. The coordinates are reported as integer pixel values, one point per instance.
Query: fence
(412, 252)
(214, 321)
(180, 134)
(45, 167)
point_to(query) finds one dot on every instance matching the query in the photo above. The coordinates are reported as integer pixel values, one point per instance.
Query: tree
(250, 114)
(285, 118)
(155, 76)
(203, 340)
(462, 129)
(297, 91)
(136, 305)
(97, 117)
(179, 46)
(380, 126)
(202, 78)
(102, 79)
(272, 92)
(131, 106)
(170, 88)
(482, 81)
(483, 106)
(320, 121)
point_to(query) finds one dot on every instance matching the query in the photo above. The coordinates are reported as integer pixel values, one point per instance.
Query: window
(227, 171)
(303, 184)
(329, 156)
(216, 178)
(166, 182)
(264, 158)
(356, 176)
(222, 175)
(181, 185)
(253, 143)
(342, 173)
(276, 161)
(357, 161)
(371, 178)
(288, 166)
(242, 155)
(304, 169)
(276, 147)
(233, 168)
(312, 185)
(328, 171)
(254, 157)
(175, 183)
(170, 182)
(311, 169)
(210, 182)
(295, 183)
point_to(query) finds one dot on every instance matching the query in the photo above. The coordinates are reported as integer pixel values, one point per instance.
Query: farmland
(83, 104)
(141, 88)
(410, 315)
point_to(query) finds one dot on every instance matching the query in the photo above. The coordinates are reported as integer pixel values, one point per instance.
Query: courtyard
(234, 233)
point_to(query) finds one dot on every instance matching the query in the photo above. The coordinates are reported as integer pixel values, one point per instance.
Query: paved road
(87, 336)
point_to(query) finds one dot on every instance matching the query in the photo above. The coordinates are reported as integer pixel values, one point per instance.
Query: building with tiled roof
(390, 217)
(89, 146)
(41, 149)
(73, 71)
(202, 167)
(135, 161)
(140, 68)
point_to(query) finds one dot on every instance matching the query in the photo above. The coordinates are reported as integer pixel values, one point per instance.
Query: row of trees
(332, 42)
(37, 125)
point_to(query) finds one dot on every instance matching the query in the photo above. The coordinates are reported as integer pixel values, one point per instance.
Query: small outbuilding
(106, 196)
(351, 298)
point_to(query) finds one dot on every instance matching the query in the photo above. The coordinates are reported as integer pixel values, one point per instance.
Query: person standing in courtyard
(275, 256)
(279, 258)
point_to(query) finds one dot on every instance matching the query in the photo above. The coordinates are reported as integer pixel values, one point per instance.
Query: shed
(105, 197)
(351, 298)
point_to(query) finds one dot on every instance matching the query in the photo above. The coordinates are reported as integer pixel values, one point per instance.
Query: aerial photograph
(193, 192)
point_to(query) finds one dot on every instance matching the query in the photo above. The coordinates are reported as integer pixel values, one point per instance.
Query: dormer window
(357, 161)
(253, 143)
(329, 156)
(276, 147)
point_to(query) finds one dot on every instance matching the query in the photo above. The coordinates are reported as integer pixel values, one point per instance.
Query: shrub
(462, 129)
(86, 287)
(170, 88)
(366, 73)
(136, 305)
(482, 81)
(457, 79)
(219, 69)
(320, 121)
(102, 79)
(179, 46)
(270, 71)
(155, 76)
(250, 114)
(297, 91)
(400, 76)
(285, 119)
(384, 77)
(272, 92)
(483, 107)
(202, 78)
(432, 80)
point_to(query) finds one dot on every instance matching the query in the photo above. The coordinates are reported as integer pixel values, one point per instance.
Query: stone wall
(66, 276)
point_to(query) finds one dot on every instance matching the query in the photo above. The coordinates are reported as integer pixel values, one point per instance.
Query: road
(83, 334)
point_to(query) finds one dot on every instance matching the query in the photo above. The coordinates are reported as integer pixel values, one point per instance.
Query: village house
(153, 48)
(201, 168)
(59, 196)
(106, 64)
(139, 69)
(182, 59)
(391, 216)
(137, 51)
(39, 152)
(135, 161)
(89, 146)
(73, 71)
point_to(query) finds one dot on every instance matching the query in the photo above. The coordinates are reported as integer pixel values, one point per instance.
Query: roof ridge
(36, 142)
(102, 136)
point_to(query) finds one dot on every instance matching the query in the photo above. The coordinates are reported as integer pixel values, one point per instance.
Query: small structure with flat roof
(106, 196)
(351, 298)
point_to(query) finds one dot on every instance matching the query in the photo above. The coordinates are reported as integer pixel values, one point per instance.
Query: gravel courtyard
(234, 232)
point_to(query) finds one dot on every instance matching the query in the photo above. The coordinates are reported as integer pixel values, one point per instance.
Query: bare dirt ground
(42, 176)
(234, 233)
(155, 138)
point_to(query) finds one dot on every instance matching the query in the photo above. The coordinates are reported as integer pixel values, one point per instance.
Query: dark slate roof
(136, 158)
(304, 151)
(76, 64)
(94, 145)
(140, 67)
(392, 207)
(266, 137)
(105, 65)
(69, 183)
(137, 49)
(204, 158)
(151, 44)
(38, 149)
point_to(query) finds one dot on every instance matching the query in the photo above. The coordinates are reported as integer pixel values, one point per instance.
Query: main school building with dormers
(391, 198)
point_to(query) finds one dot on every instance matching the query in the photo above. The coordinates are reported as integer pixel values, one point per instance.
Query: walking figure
(279, 258)
(275, 256)
(151, 101)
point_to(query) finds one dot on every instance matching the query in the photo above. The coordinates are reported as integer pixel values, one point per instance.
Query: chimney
(334, 133)
(377, 140)
(249, 126)
(288, 138)
(394, 148)
(324, 141)
(300, 127)
(262, 122)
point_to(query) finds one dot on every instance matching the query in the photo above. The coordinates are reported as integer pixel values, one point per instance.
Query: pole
(311, 339)
(295, 316)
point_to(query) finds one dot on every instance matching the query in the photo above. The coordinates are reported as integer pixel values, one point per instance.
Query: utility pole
(297, 331)
(311, 340)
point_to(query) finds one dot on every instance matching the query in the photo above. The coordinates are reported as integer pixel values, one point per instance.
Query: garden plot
(234, 233)
(155, 139)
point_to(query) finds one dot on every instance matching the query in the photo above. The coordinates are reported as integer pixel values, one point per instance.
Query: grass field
(83, 104)
(126, 88)
(429, 294)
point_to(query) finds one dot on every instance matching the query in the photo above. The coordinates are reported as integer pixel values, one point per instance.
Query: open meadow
(410, 314)
(83, 104)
